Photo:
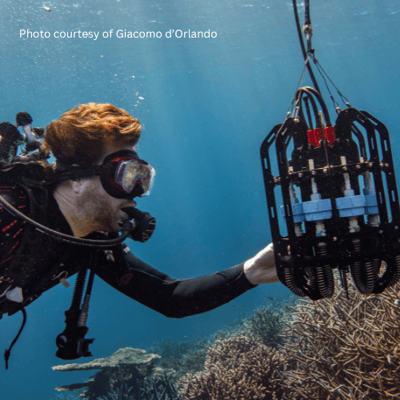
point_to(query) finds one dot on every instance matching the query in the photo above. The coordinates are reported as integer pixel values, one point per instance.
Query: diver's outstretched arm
(177, 298)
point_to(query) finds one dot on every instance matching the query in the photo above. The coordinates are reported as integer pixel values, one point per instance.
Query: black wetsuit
(54, 260)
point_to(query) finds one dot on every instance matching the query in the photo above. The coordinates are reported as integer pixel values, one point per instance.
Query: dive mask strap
(65, 171)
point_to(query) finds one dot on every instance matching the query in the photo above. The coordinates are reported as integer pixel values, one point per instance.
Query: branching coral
(188, 356)
(346, 349)
(236, 368)
(266, 322)
(334, 349)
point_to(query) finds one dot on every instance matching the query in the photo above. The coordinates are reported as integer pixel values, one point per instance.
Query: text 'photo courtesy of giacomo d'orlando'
(118, 33)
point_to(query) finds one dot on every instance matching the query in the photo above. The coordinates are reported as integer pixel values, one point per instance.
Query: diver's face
(102, 211)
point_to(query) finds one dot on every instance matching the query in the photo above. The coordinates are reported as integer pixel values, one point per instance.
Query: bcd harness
(71, 342)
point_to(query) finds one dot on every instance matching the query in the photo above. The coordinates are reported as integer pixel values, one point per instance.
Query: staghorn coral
(237, 368)
(346, 349)
(334, 349)
(266, 322)
(188, 355)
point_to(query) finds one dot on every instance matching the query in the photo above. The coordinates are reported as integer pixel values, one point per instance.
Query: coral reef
(334, 349)
(237, 368)
(267, 321)
(189, 355)
(346, 349)
(148, 389)
(183, 356)
(126, 366)
(66, 396)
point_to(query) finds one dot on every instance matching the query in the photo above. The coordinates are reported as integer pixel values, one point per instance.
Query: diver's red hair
(81, 134)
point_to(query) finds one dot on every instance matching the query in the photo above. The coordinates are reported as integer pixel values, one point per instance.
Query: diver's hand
(261, 268)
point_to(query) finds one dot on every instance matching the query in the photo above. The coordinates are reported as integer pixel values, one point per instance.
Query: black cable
(296, 16)
(310, 121)
(307, 24)
(307, 17)
(310, 71)
(300, 93)
(8, 351)
(321, 102)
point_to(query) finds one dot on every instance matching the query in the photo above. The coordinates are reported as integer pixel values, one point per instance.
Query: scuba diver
(10, 138)
(66, 218)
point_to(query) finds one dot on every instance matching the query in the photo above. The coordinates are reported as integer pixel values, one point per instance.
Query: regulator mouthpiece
(144, 225)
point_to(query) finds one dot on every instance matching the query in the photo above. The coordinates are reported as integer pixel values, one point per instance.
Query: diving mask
(123, 174)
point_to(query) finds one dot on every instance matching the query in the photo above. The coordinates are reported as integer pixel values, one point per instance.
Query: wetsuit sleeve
(177, 298)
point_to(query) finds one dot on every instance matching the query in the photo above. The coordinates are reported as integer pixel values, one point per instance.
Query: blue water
(208, 104)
